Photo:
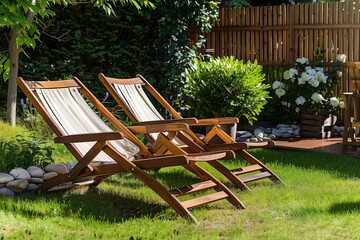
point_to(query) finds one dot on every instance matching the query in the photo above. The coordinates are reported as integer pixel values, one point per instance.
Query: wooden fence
(277, 35)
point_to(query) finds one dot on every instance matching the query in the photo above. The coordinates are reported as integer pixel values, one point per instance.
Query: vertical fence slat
(277, 35)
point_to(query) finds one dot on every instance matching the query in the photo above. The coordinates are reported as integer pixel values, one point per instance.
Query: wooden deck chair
(130, 94)
(351, 121)
(101, 152)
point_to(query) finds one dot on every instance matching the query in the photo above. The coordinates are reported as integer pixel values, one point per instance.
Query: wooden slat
(128, 81)
(196, 202)
(52, 84)
(247, 169)
(72, 185)
(255, 177)
(193, 188)
(153, 163)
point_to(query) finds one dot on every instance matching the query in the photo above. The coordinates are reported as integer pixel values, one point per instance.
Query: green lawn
(320, 200)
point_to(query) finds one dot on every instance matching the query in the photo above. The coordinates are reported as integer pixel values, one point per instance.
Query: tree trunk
(14, 51)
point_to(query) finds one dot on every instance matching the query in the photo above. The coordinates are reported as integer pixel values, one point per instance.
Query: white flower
(334, 102)
(306, 76)
(287, 75)
(297, 109)
(278, 84)
(293, 72)
(290, 73)
(341, 58)
(338, 73)
(342, 104)
(302, 60)
(321, 77)
(300, 100)
(316, 97)
(313, 82)
(301, 80)
(280, 92)
(311, 71)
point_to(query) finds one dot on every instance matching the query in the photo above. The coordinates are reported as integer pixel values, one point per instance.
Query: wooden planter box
(317, 125)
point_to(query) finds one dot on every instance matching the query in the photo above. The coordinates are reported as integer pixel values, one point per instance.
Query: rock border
(20, 180)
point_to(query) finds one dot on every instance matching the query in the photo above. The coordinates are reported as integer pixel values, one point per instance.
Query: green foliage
(24, 152)
(83, 41)
(236, 3)
(32, 120)
(174, 19)
(19, 14)
(222, 87)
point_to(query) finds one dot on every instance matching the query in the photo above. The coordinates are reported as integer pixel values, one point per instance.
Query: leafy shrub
(33, 121)
(24, 152)
(221, 87)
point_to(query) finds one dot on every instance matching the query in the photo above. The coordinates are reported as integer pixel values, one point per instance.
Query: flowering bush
(309, 86)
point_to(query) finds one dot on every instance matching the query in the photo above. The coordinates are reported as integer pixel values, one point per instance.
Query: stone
(5, 178)
(31, 187)
(68, 167)
(49, 175)
(6, 192)
(336, 129)
(281, 125)
(35, 171)
(268, 130)
(271, 136)
(297, 132)
(254, 139)
(20, 174)
(59, 168)
(286, 135)
(266, 139)
(17, 186)
(36, 180)
(240, 139)
(277, 133)
(294, 126)
(246, 134)
(259, 133)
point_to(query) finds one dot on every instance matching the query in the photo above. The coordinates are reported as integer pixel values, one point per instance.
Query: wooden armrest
(158, 128)
(209, 121)
(211, 156)
(89, 137)
(164, 161)
(167, 121)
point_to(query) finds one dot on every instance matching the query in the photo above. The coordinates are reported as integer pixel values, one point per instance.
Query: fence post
(291, 39)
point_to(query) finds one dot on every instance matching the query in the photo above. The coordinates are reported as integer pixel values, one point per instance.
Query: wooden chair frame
(255, 171)
(351, 121)
(147, 160)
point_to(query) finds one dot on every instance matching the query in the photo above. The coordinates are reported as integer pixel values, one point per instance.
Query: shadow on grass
(344, 208)
(344, 165)
(98, 205)
(103, 203)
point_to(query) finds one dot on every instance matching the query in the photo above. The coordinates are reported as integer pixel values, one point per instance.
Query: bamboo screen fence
(277, 35)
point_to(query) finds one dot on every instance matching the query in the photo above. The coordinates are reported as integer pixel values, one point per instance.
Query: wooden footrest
(193, 188)
(255, 177)
(72, 185)
(247, 169)
(204, 199)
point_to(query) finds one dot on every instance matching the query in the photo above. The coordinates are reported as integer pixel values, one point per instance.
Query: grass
(320, 200)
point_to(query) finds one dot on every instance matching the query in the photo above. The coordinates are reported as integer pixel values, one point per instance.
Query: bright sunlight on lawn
(320, 200)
